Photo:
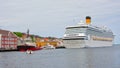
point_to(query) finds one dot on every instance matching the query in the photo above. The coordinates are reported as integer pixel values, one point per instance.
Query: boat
(27, 44)
(48, 46)
(60, 47)
(29, 51)
(84, 34)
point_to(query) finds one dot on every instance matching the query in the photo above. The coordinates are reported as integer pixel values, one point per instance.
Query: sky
(50, 17)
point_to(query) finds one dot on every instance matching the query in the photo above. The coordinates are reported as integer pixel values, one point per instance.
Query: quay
(18, 41)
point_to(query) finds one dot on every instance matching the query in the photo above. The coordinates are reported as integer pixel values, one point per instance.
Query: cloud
(45, 16)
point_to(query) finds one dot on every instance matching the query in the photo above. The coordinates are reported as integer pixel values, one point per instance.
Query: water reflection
(63, 58)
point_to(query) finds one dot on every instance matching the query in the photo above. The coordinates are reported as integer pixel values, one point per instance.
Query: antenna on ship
(81, 22)
(28, 33)
(88, 20)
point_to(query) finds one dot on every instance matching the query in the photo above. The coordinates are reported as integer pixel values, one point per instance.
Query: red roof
(6, 32)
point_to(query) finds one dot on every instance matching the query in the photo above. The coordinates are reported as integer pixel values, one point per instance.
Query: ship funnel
(88, 20)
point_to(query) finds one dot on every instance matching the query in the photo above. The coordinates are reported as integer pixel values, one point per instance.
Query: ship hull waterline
(25, 48)
(85, 43)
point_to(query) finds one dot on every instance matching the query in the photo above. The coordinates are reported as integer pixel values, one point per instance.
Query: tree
(19, 34)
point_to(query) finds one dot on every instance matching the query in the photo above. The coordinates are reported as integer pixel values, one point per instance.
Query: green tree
(19, 34)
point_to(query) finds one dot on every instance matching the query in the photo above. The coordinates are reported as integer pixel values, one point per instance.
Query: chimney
(88, 20)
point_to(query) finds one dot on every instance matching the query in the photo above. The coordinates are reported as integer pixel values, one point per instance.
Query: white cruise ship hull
(74, 43)
(93, 43)
(85, 43)
(87, 35)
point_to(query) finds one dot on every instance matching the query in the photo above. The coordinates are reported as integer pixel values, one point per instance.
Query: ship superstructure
(87, 35)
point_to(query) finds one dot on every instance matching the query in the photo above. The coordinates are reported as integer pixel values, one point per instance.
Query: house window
(2, 38)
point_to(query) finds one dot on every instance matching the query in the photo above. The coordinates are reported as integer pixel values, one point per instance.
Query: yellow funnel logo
(88, 20)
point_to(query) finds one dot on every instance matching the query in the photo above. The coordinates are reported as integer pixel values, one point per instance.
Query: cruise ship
(86, 35)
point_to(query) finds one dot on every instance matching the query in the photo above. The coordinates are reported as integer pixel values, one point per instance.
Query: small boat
(29, 51)
(48, 46)
(60, 47)
(27, 44)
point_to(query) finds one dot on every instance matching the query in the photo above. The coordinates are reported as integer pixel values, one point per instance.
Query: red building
(8, 40)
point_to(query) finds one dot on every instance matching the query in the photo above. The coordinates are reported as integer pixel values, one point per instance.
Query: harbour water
(105, 57)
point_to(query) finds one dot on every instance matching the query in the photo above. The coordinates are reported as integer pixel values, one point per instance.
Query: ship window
(75, 30)
(75, 39)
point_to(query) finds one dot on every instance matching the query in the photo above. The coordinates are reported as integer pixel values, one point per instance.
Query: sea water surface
(105, 57)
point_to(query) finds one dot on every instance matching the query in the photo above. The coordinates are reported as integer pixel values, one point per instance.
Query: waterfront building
(8, 40)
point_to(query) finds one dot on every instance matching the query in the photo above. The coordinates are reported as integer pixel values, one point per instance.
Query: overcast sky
(50, 17)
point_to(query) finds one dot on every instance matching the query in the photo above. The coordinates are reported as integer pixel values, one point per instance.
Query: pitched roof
(4, 31)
